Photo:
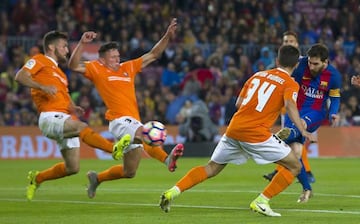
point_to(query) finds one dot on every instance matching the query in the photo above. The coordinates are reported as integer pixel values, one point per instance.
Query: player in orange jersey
(248, 134)
(57, 120)
(115, 83)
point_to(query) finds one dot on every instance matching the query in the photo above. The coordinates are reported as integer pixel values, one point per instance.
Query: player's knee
(72, 170)
(212, 169)
(297, 169)
(129, 174)
(81, 126)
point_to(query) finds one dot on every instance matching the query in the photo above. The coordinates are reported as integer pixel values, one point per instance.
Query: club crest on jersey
(30, 64)
(125, 74)
(323, 84)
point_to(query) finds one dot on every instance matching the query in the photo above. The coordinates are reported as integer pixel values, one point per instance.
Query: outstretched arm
(160, 46)
(74, 62)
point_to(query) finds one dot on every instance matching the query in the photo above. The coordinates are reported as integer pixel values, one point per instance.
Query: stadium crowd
(219, 45)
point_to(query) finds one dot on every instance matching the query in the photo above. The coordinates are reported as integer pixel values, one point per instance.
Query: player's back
(263, 98)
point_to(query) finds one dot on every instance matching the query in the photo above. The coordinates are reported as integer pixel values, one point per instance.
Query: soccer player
(57, 120)
(115, 82)
(290, 38)
(319, 99)
(248, 134)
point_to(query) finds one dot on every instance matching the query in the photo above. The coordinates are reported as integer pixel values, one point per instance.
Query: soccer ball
(154, 133)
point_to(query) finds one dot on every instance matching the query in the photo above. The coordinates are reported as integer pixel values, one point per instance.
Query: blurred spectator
(84, 102)
(265, 61)
(95, 119)
(214, 105)
(170, 77)
(236, 33)
(4, 88)
(184, 112)
(192, 85)
(354, 106)
(346, 117)
(198, 126)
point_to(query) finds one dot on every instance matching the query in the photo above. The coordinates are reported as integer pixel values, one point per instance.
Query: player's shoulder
(303, 60)
(332, 69)
(131, 62)
(36, 60)
(40, 58)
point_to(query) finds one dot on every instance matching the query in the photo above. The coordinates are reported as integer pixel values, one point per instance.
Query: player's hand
(77, 110)
(309, 136)
(172, 28)
(335, 120)
(355, 80)
(88, 36)
(51, 90)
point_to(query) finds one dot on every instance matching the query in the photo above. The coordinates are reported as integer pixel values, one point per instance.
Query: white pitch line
(178, 206)
(142, 190)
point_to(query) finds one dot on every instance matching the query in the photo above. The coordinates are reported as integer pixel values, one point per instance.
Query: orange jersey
(46, 72)
(263, 98)
(116, 88)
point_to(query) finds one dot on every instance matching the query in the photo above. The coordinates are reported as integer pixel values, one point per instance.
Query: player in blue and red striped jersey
(320, 82)
(290, 38)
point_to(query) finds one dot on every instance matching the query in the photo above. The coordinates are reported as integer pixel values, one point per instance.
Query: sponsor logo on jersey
(312, 92)
(117, 78)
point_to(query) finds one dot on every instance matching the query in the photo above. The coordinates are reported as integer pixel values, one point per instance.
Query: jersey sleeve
(33, 66)
(291, 91)
(335, 83)
(90, 70)
(133, 67)
(299, 70)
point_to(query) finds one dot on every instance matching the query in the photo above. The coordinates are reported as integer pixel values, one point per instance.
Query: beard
(316, 72)
(61, 59)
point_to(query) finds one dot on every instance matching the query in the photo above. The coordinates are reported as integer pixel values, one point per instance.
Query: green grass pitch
(223, 199)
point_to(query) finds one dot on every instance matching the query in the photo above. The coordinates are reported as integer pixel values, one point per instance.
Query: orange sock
(54, 172)
(280, 182)
(95, 140)
(195, 176)
(113, 173)
(278, 167)
(156, 152)
(304, 158)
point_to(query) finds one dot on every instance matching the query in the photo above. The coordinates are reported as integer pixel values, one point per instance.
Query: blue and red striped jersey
(315, 91)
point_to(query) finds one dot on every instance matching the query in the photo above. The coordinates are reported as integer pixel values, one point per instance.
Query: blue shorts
(313, 120)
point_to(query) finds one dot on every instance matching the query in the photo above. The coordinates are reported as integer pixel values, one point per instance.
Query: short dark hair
(290, 33)
(106, 47)
(288, 56)
(319, 50)
(52, 37)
